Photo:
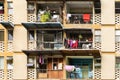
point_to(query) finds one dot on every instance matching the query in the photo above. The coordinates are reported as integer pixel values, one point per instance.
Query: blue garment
(90, 74)
(78, 73)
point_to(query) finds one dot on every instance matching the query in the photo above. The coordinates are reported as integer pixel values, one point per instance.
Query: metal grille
(117, 18)
(10, 18)
(10, 74)
(10, 46)
(97, 19)
(31, 18)
(2, 47)
(31, 74)
(1, 17)
(97, 74)
(97, 45)
(117, 46)
(1, 73)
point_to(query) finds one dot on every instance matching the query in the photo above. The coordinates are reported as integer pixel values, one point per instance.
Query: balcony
(43, 11)
(76, 44)
(79, 19)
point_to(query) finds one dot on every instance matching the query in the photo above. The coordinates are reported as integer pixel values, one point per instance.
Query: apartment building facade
(49, 39)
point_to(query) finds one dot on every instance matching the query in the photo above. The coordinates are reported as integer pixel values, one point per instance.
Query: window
(1, 62)
(57, 63)
(117, 36)
(10, 8)
(97, 35)
(97, 6)
(31, 8)
(117, 62)
(9, 62)
(31, 62)
(1, 35)
(117, 7)
(49, 37)
(10, 34)
(31, 35)
(1, 8)
(97, 63)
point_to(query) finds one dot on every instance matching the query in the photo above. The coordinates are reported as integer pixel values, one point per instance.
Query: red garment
(75, 44)
(86, 17)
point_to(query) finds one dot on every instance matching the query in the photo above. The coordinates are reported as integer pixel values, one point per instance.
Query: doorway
(85, 65)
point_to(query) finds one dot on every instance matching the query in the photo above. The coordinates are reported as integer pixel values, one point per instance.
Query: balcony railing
(44, 18)
(33, 45)
(49, 45)
(75, 44)
(47, 74)
(79, 19)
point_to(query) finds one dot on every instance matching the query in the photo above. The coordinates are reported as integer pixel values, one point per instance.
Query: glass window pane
(59, 37)
(31, 35)
(10, 11)
(117, 32)
(1, 35)
(10, 62)
(1, 8)
(1, 62)
(10, 5)
(117, 62)
(30, 8)
(49, 37)
(10, 34)
(97, 32)
(97, 39)
(117, 38)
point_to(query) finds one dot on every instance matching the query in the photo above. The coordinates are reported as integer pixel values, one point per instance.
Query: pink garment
(69, 68)
(40, 59)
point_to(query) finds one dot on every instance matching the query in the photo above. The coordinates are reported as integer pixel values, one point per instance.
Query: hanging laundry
(40, 59)
(86, 18)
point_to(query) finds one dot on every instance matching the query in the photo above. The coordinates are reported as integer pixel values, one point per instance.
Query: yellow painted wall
(108, 11)
(20, 68)
(108, 66)
(20, 38)
(20, 11)
(108, 39)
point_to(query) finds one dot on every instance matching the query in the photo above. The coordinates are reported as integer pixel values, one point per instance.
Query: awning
(78, 30)
(62, 0)
(42, 52)
(65, 52)
(7, 25)
(46, 25)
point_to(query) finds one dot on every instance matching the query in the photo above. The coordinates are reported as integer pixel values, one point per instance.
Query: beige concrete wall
(108, 39)
(108, 11)
(20, 38)
(20, 68)
(108, 66)
(20, 11)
